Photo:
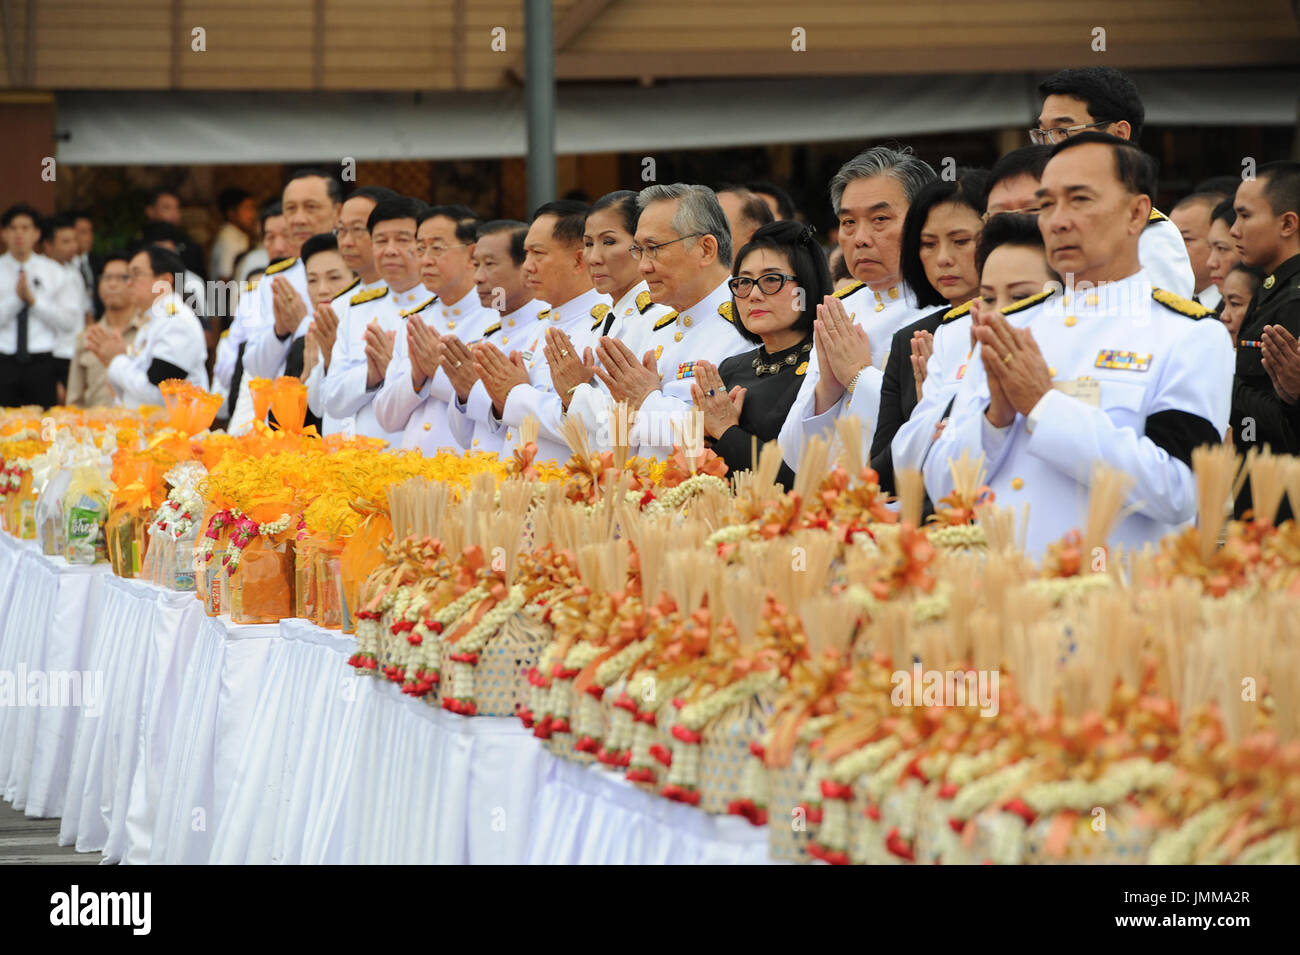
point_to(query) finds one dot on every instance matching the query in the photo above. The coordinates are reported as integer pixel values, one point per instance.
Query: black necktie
(609, 321)
(21, 352)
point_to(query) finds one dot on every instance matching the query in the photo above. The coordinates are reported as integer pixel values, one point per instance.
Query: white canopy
(158, 128)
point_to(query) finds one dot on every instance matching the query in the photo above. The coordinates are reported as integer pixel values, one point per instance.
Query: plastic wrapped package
(49, 513)
(85, 509)
(261, 588)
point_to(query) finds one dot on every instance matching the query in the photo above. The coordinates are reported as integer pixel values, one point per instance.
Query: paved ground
(26, 841)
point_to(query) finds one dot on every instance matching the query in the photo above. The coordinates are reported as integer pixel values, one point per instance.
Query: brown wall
(27, 121)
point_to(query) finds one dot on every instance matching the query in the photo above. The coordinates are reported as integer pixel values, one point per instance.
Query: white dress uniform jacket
(264, 357)
(1163, 256)
(421, 415)
(344, 388)
(56, 311)
(1138, 382)
(879, 314)
(173, 334)
(316, 377)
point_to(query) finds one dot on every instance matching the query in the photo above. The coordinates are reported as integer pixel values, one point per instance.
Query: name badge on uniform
(1122, 360)
(527, 357)
(1087, 390)
(686, 369)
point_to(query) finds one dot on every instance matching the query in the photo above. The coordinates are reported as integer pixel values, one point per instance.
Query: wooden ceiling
(449, 44)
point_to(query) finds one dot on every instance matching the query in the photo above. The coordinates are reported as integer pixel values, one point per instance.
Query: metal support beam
(539, 100)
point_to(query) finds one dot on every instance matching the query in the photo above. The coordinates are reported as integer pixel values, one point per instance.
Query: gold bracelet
(853, 383)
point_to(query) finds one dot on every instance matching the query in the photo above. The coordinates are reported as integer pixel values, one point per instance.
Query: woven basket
(724, 750)
(501, 675)
(786, 843)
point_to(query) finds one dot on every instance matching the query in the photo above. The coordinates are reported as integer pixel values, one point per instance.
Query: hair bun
(806, 236)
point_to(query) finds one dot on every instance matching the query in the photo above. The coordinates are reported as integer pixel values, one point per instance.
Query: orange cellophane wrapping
(260, 390)
(329, 602)
(288, 402)
(362, 553)
(307, 567)
(126, 540)
(261, 588)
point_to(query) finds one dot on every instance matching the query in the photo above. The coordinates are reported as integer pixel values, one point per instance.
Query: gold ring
(1006, 358)
(564, 354)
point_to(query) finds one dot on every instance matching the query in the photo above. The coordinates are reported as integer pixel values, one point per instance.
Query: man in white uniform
(171, 345)
(870, 194)
(516, 376)
(683, 242)
(1112, 371)
(363, 346)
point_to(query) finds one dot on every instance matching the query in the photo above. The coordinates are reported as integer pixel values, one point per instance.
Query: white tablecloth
(214, 716)
(140, 641)
(41, 644)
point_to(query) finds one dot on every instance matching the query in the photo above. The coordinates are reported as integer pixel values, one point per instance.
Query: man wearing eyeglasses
(417, 391)
(323, 324)
(1102, 99)
(363, 345)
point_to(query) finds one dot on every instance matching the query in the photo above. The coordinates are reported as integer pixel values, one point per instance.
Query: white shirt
(56, 309)
(173, 334)
(316, 378)
(705, 330)
(1162, 253)
(1210, 296)
(1157, 381)
(66, 346)
(538, 398)
(231, 242)
(421, 416)
(880, 315)
(264, 357)
(344, 389)
(635, 316)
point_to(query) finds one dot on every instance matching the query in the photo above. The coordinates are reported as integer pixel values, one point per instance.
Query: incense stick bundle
(529, 428)
(1268, 477)
(1107, 490)
(911, 495)
(620, 435)
(828, 624)
(849, 430)
(812, 467)
(574, 432)
(999, 524)
(967, 474)
(1215, 468)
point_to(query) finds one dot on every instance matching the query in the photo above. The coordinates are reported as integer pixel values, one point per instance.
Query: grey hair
(901, 164)
(698, 211)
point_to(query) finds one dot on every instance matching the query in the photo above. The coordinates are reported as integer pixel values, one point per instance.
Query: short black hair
(1010, 228)
(1281, 185)
(623, 201)
(20, 209)
(230, 198)
(518, 233)
(79, 214)
(114, 255)
(969, 189)
(403, 207)
(156, 230)
(784, 204)
(322, 242)
(1256, 276)
(1226, 211)
(332, 185)
(52, 224)
(839, 268)
(154, 195)
(1135, 169)
(1223, 185)
(163, 261)
(375, 194)
(1111, 96)
(795, 241)
(570, 218)
(752, 206)
(1210, 199)
(466, 219)
(270, 210)
(1025, 161)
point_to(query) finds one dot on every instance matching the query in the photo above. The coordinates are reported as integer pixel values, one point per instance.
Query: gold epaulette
(368, 296)
(727, 312)
(1025, 303)
(419, 308)
(958, 312)
(598, 313)
(281, 265)
(1156, 216)
(1183, 306)
(849, 289)
(488, 332)
(351, 286)
(643, 302)
(665, 321)
(544, 314)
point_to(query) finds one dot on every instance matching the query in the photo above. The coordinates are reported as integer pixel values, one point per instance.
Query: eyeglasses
(437, 251)
(768, 284)
(1059, 134)
(653, 250)
(357, 231)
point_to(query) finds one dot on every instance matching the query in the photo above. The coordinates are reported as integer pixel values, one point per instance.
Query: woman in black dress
(777, 278)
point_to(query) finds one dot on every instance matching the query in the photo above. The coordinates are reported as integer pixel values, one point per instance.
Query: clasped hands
(1017, 373)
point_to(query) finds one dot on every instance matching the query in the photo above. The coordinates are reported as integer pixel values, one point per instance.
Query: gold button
(505, 340)
(509, 436)
(1091, 299)
(1017, 483)
(555, 317)
(511, 323)
(686, 320)
(1270, 281)
(677, 336)
(455, 311)
(427, 425)
(880, 306)
(627, 311)
(451, 325)
(1069, 321)
(476, 442)
(1052, 372)
(893, 292)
